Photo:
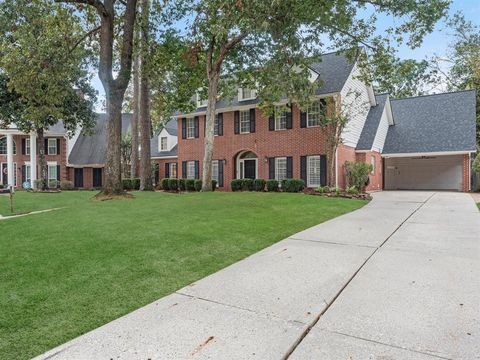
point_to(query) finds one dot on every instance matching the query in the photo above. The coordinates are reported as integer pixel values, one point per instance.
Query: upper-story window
(244, 121)
(246, 94)
(190, 128)
(315, 114)
(27, 146)
(216, 125)
(163, 143)
(52, 146)
(201, 102)
(3, 146)
(280, 118)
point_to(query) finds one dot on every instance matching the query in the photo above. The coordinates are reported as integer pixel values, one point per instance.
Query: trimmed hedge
(66, 185)
(214, 185)
(259, 185)
(293, 185)
(237, 184)
(190, 184)
(127, 184)
(173, 184)
(181, 184)
(198, 185)
(272, 185)
(247, 185)
(165, 185)
(136, 183)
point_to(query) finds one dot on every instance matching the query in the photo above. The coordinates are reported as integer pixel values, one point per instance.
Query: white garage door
(424, 173)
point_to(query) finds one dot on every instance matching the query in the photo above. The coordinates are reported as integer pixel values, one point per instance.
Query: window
(163, 143)
(52, 171)
(246, 94)
(314, 114)
(215, 170)
(28, 174)
(190, 169)
(215, 126)
(372, 161)
(280, 168)
(27, 146)
(190, 128)
(313, 171)
(173, 170)
(52, 147)
(280, 118)
(201, 102)
(244, 121)
(3, 146)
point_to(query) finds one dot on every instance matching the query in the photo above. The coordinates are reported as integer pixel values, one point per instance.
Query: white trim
(438, 153)
(238, 160)
(162, 157)
(240, 94)
(86, 166)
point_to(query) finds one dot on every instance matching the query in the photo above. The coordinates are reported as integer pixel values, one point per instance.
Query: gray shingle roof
(433, 123)
(371, 124)
(171, 127)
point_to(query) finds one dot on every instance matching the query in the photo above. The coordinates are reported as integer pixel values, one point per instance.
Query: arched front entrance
(247, 165)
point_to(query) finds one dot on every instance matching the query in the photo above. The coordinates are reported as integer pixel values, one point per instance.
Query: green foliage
(293, 185)
(165, 185)
(352, 190)
(135, 183)
(181, 184)
(259, 185)
(272, 185)
(357, 174)
(476, 163)
(247, 184)
(190, 184)
(127, 184)
(53, 184)
(323, 189)
(40, 183)
(66, 185)
(173, 184)
(236, 184)
(198, 185)
(214, 185)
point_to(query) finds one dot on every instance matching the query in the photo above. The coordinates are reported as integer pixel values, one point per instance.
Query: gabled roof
(171, 127)
(371, 123)
(433, 123)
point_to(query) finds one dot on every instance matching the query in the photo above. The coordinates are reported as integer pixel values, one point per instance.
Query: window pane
(190, 128)
(27, 173)
(173, 170)
(52, 146)
(3, 146)
(247, 93)
(280, 118)
(314, 113)
(190, 169)
(313, 171)
(280, 168)
(52, 172)
(245, 121)
(163, 143)
(215, 170)
(215, 128)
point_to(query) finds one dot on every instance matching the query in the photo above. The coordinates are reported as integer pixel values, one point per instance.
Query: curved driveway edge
(342, 288)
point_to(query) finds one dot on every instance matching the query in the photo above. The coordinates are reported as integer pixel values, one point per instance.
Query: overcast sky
(435, 43)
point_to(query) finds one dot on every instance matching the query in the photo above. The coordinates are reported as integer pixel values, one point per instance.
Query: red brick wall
(466, 172)
(87, 176)
(293, 142)
(20, 159)
(161, 164)
(345, 153)
(376, 179)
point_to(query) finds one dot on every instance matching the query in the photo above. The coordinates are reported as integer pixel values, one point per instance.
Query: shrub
(173, 184)
(237, 184)
(198, 185)
(272, 185)
(352, 190)
(1, 186)
(292, 185)
(336, 190)
(40, 184)
(259, 185)
(190, 184)
(247, 185)
(135, 183)
(127, 184)
(181, 184)
(53, 184)
(323, 189)
(165, 184)
(66, 185)
(476, 164)
(357, 174)
(214, 185)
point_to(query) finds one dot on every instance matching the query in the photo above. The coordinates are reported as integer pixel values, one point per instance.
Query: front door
(250, 167)
(78, 177)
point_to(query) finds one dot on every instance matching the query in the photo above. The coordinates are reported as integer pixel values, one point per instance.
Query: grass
(66, 272)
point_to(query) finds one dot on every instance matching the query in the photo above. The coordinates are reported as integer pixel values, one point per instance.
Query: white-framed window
(280, 168)
(190, 128)
(215, 170)
(190, 169)
(246, 94)
(3, 146)
(280, 118)
(373, 162)
(314, 114)
(201, 102)
(244, 121)
(52, 171)
(215, 125)
(52, 147)
(173, 170)
(163, 143)
(28, 172)
(27, 146)
(313, 171)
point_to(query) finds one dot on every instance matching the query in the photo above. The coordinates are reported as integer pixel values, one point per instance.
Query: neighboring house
(19, 155)
(423, 142)
(164, 152)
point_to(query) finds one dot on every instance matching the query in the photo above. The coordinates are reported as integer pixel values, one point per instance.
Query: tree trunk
(134, 122)
(213, 79)
(113, 164)
(42, 163)
(146, 180)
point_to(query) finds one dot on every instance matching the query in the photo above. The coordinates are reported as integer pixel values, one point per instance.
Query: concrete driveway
(397, 279)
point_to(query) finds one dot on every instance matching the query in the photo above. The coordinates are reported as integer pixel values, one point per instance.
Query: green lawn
(65, 272)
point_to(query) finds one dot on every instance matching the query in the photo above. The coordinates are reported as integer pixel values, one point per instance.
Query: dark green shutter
(196, 126)
(303, 169)
(271, 168)
(58, 146)
(289, 117)
(236, 122)
(184, 128)
(184, 169)
(303, 119)
(220, 173)
(23, 147)
(46, 147)
(271, 123)
(252, 120)
(58, 172)
(197, 169)
(289, 167)
(24, 173)
(323, 170)
(220, 124)
(167, 170)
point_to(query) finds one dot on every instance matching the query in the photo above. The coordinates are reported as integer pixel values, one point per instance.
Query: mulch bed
(343, 194)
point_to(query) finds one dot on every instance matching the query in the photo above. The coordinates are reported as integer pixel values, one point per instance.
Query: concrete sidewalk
(385, 280)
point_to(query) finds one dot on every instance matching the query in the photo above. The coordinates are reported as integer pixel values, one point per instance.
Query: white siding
(356, 105)
(171, 140)
(381, 134)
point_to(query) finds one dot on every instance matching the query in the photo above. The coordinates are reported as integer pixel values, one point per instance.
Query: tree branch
(354, 37)
(227, 47)
(97, 4)
(91, 32)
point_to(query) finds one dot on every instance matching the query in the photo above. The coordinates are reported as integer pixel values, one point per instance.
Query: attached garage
(424, 173)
